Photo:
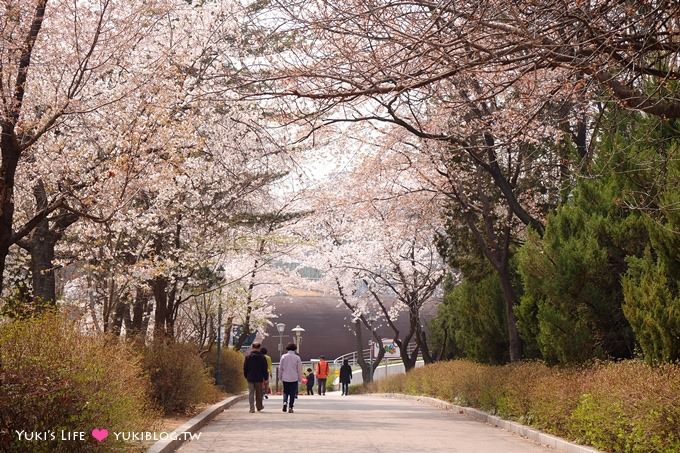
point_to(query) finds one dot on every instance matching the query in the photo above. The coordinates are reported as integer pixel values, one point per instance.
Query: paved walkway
(356, 423)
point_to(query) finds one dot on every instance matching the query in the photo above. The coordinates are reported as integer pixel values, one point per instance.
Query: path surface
(357, 423)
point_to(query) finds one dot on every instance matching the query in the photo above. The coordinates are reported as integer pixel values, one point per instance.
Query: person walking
(310, 382)
(345, 377)
(322, 372)
(255, 372)
(290, 370)
(265, 386)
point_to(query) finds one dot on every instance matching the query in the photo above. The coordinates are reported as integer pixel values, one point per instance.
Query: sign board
(236, 332)
(249, 341)
(390, 347)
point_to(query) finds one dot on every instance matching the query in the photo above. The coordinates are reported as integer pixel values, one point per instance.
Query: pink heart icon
(100, 434)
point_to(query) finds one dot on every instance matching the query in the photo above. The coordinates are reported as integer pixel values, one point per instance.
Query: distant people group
(257, 369)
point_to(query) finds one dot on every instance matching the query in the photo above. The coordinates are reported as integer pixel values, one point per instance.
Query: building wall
(327, 325)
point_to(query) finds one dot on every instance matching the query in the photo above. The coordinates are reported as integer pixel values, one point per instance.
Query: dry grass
(179, 379)
(55, 377)
(617, 406)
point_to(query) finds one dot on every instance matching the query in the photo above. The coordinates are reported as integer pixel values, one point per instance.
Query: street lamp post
(280, 327)
(298, 336)
(218, 378)
(219, 273)
(370, 360)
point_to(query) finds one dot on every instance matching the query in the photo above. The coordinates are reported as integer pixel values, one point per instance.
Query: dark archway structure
(327, 325)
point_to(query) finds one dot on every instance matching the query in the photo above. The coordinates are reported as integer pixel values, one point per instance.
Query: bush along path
(64, 388)
(619, 406)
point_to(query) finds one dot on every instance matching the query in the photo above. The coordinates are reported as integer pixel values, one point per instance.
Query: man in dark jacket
(255, 372)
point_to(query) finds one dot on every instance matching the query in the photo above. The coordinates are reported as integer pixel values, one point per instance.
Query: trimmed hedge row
(614, 406)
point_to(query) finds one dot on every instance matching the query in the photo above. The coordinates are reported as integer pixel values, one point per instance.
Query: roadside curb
(175, 440)
(535, 435)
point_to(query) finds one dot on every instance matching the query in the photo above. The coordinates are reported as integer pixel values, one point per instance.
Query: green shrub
(20, 303)
(54, 377)
(231, 370)
(630, 407)
(623, 406)
(179, 380)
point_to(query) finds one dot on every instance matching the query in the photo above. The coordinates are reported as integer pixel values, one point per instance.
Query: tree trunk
(42, 250)
(227, 330)
(42, 242)
(365, 367)
(110, 305)
(145, 323)
(495, 249)
(91, 304)
(42, 267)
(420, 336)
(377, 359)
(421, 341)
(408, 361)
(10, 159)
(171, 312)
(139, 321)
(159, 287)
(120, 312)
(442, 349)
(10, 143)
(238, 343)
(166, 309)
(127, 321)
(510, 298)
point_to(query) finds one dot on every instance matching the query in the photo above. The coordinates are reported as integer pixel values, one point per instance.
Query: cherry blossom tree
(374, 241)
(155, 173)
(477, 77)
(498, 134)
(60, 60)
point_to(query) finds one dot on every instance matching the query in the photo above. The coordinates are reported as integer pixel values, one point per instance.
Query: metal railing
(353, 357)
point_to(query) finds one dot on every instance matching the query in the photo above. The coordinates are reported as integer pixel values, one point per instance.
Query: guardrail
(353, 357)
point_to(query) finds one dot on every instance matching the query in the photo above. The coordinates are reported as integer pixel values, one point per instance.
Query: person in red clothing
(322, 372)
